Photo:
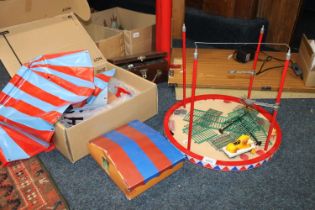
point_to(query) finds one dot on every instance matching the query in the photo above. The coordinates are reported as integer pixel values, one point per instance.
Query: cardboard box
(55, 28)
(306, 61)
(138, 28)
(135, 157)
(110, 42)
(13, 12)
(72, 142)
(51, 30)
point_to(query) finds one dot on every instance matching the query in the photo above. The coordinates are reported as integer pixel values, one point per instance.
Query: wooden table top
(214, 64)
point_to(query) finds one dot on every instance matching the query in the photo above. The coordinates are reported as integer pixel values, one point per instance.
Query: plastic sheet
(36, 97)
(118, 93)
(100, 94)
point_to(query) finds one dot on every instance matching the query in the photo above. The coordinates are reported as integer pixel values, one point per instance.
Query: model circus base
(220, 120)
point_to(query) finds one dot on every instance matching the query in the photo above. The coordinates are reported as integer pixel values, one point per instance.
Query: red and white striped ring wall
(222, 165)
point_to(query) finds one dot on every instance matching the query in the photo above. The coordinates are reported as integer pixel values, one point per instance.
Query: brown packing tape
(128, 43)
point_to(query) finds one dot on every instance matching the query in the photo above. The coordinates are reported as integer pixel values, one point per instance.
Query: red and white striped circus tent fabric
(35, 98)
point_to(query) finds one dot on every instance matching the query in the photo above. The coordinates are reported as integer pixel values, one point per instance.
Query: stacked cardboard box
(131, 32)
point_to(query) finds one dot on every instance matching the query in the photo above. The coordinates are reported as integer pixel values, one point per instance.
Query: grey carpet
(286, 182)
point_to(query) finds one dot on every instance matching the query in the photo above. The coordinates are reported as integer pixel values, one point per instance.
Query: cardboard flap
(13, 12)
(128, 19)
(131, 20)
(81, 8)
(99, 33)
(61, 33)
(60, 140)
(305, 42)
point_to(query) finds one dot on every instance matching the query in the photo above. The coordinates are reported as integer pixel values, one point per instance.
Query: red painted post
(278, 99)
(158, 22)
(163, 27)
(192, 103)
(251, 80)
(184, 62)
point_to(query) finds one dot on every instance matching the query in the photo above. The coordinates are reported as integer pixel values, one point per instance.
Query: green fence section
(241, 120)
(204, 136)
(221, 141)
(197, 114)
(196, 129)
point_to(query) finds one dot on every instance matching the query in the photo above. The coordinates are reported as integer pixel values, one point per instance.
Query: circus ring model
(222, 132)
(206, 148)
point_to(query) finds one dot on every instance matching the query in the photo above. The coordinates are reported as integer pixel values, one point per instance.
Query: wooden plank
(214, 64)
(245, 9)
(282, 16)
(221, 8)
(197, 4)
(178, 15)
(242, 93)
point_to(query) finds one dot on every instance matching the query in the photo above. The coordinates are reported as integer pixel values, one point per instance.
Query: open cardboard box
(72, 142)
(48, 32)
(138, 28)
(109, 41)
(306, 61)
(54, 28)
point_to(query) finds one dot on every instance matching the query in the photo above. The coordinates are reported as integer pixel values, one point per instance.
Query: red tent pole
(251, 80)
(184, 62)
(163, 13)
(158, 22)
(192, 103)
(278, 99)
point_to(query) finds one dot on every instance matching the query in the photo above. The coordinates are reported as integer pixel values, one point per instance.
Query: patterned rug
(27, 185)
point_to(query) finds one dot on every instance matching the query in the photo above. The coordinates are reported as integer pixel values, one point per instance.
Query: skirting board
(242, 93)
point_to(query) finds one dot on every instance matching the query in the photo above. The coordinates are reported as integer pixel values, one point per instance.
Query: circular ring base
(206, 155)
